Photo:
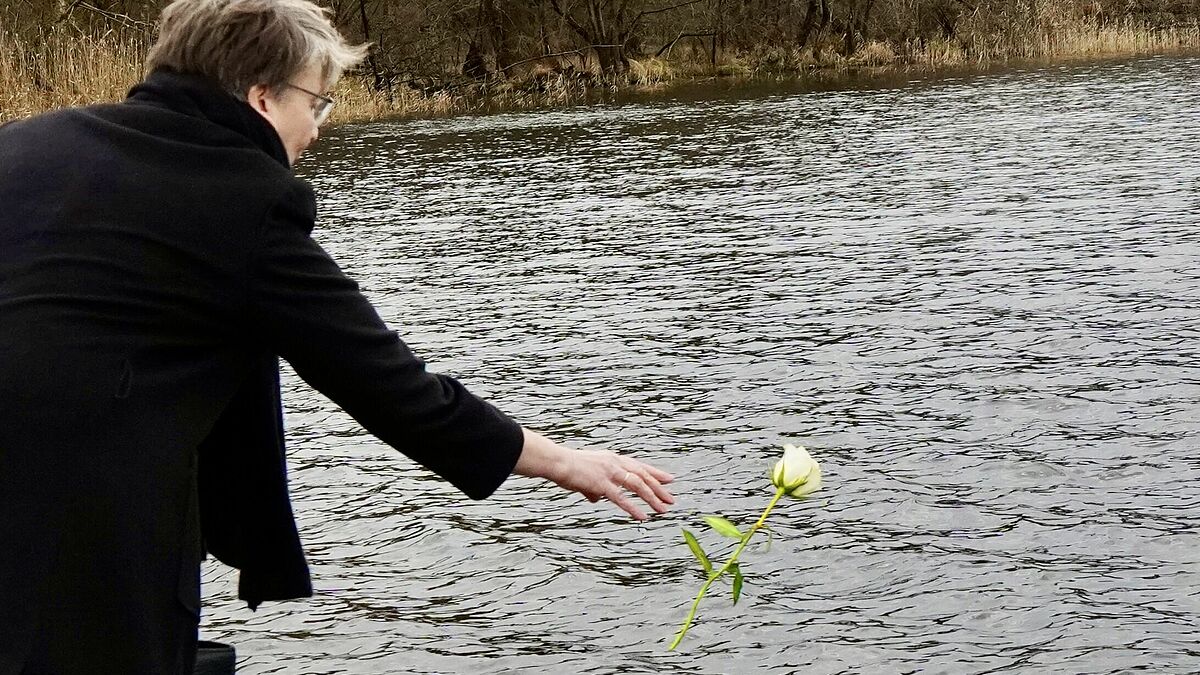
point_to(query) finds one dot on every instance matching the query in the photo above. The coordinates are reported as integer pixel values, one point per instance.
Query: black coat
(155, 260)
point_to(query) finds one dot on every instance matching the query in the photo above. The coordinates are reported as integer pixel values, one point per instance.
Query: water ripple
(977, 298)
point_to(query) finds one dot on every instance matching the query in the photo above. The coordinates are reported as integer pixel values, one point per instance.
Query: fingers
(644, 481)
(602, 474)
(618, 498)
(661, 492)
(654, 479)
(650, 491)
(659, 475)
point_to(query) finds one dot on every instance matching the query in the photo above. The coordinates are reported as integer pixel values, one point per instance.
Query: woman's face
(292, 111)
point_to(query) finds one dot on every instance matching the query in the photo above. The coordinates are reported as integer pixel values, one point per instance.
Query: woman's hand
(596, 474)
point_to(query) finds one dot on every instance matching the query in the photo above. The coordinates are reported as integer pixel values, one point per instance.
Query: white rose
(798, 474)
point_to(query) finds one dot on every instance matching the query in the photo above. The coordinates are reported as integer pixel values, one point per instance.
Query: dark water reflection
(978, 299)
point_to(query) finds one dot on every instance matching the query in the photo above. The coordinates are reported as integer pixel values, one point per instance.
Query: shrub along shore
(65, 66)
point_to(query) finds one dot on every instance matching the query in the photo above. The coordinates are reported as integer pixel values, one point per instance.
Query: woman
(155, 262)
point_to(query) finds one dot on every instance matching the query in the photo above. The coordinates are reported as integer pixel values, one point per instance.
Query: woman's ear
(259, 98)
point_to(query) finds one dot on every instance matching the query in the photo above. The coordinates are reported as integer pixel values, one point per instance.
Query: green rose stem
(797, 475)
(687, 623)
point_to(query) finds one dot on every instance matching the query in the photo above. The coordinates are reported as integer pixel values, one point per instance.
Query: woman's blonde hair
(241, 43)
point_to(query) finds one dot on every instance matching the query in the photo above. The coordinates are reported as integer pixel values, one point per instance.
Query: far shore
(100, 69)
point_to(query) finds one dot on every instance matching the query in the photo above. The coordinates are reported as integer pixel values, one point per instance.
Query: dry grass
(1088, 38)
(64, 69)
(1060, 32)
(358, 101)
(651, 72)
(874, 54)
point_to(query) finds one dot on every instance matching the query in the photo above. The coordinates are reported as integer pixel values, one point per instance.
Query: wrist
(541, 457)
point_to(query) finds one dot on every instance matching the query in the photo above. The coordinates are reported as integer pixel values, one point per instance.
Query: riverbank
(66, 69)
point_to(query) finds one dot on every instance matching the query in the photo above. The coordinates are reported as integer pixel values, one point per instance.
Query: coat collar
(198, 96)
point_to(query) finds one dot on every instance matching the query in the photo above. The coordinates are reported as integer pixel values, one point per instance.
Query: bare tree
(608, 26)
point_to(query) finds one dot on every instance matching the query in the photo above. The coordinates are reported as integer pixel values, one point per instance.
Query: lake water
(976, 299)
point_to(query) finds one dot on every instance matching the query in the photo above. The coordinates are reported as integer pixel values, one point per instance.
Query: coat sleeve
(309, 312)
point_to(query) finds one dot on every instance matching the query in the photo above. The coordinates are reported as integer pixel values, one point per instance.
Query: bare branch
(583, 33)
(66, 13)
(679, 37)
(120, 18)
(555, 55)
(648, 12)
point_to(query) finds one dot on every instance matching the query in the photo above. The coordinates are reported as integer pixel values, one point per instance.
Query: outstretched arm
(595, 474)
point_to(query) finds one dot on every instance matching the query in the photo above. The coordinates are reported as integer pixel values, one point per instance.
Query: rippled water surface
(977, 300)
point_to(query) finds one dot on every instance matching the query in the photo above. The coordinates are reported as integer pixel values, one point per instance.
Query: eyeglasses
(323, 106)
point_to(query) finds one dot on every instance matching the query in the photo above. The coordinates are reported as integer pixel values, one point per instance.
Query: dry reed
(65, 69)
